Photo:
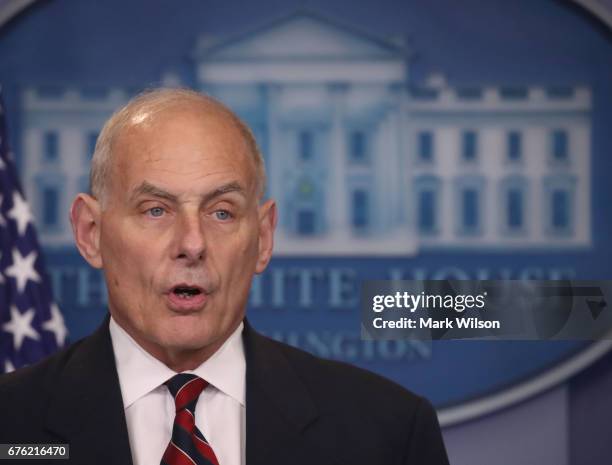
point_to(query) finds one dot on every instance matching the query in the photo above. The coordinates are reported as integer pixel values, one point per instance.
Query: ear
(267, 225)
(85, 214)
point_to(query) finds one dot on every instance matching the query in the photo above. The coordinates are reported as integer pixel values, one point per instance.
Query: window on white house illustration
(50, 206)
(560, 145)
(306, 145)
(51, 145)
(306, 222)
(469, 145)
(427, 210)
(560, 209)
(358, 149)
(425, 146)
(426, 194)
(514, 146)
(514, 208)
(470, 215)
(360, 213)
(559, 204)
(513, 202)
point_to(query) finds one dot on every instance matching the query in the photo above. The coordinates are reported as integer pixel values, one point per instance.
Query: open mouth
(186, 292)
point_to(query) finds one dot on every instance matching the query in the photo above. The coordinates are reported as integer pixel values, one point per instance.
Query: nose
(190, 239)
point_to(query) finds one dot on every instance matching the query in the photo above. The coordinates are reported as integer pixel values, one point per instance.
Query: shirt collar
(140, 373)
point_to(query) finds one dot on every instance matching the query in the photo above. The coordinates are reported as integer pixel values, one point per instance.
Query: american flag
(31, 323)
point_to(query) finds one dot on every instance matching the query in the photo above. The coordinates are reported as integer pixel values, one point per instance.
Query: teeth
(186, 293)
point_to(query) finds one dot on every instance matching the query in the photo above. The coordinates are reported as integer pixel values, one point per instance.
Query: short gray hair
(149, 103)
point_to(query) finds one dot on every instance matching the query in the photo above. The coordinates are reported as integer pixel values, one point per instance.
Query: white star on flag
(2, 165)
(20, 325)
(22, 269)
(20, 213)
(56, 325)
(8, 366)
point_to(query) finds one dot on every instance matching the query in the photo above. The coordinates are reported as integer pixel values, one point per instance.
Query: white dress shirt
(149, 406)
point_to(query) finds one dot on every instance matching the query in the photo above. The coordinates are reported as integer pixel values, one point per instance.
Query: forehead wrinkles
(218, 137)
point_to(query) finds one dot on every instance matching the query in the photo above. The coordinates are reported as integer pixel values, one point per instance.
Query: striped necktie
(187, 445)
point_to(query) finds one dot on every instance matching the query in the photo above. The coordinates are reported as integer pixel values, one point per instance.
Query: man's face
(181, 232)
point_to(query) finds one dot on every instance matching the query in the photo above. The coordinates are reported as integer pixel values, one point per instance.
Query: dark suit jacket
(300, 409)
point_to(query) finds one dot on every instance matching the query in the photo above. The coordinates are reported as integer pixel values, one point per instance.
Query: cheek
(126, 259)
(249, 247)
(236, 261)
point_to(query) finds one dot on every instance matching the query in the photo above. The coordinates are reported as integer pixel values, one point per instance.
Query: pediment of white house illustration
(271, 53)
(301, 35)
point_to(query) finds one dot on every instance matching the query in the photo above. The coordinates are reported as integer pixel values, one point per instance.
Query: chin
(187, 339)
(187, 346)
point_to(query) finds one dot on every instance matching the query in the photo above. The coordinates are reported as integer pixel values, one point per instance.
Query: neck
(178, 359)
(184, 360)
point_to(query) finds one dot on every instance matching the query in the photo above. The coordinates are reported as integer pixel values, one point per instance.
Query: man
(176, 375)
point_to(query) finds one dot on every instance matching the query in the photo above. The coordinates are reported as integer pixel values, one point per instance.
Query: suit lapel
(86, 407)
(279, 409)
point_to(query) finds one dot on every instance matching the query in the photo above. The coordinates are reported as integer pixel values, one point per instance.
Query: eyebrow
(147, 188)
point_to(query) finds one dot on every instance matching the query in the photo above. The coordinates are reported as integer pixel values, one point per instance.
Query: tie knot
(185, 388)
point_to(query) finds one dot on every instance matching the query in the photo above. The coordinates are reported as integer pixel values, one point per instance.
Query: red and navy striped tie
(187, 445)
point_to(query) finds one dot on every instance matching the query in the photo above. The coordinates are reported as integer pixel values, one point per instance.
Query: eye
(156, 212)
(223, 215)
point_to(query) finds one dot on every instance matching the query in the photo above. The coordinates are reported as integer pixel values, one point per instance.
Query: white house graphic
(361, 161)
